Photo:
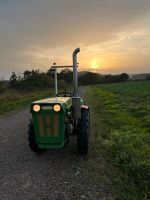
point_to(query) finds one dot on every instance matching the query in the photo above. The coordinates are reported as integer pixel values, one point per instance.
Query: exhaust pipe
(75, 73)
(75, 98)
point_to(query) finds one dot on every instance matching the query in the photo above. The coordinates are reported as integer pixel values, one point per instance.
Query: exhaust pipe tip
(77, 50)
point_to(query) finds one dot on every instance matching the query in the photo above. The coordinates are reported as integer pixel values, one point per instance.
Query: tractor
(54, 119)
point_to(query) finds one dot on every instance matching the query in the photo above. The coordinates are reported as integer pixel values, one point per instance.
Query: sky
(113, 35)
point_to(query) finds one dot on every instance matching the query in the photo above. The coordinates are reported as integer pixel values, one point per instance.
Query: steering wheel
(64, 94)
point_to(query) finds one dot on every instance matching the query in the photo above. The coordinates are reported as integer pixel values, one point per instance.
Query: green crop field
(121, 127)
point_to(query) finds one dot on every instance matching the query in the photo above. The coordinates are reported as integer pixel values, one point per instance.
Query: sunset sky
(114, 35)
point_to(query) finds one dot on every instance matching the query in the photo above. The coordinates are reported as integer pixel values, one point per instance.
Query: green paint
(56, 137)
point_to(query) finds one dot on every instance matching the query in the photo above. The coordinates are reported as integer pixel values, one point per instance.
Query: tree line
(36, 79)
(93, 78)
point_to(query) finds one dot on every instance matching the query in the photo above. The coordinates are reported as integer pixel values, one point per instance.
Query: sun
(94, 64)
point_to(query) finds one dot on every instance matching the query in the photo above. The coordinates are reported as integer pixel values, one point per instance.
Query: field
(12, 100)
(121, 127)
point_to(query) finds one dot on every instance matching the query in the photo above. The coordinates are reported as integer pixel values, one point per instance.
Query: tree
(66, 75)
(123, 77)
(50, 72)
(26, 74)
(2, 86)
(147, 77)
(108, 78)
(13, 80)
(90, 78)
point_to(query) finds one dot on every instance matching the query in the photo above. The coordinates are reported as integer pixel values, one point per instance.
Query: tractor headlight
(56, 107)
(36, 108)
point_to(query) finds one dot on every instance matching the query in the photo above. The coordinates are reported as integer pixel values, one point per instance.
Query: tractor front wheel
(83, 132)
(31, 138)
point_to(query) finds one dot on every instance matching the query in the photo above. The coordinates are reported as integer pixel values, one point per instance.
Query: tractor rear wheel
(83, 132)
(31, 138)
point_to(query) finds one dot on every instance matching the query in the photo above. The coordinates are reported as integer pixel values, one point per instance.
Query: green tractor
(55, 119)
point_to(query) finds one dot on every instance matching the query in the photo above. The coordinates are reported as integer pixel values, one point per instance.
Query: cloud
(31, 28)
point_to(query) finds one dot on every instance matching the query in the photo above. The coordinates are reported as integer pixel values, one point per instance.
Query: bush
(2, 86)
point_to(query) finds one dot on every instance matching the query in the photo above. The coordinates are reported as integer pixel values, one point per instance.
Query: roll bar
(75, 73)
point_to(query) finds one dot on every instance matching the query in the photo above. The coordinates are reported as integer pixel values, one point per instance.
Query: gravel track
(56, 175)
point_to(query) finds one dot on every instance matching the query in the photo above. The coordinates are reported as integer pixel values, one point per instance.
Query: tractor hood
(65, 102)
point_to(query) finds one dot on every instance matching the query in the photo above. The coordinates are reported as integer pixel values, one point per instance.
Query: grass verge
(12, 100)
(122, 135)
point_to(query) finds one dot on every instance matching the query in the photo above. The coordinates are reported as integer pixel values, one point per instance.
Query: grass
(12, 100)
(121, 123)
(120, 116)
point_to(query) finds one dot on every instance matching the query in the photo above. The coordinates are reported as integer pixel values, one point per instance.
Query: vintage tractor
(55, 119)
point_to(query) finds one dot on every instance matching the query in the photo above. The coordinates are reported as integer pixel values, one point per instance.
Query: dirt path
(56, 175)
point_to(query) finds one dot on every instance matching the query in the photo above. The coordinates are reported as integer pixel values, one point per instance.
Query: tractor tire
(83, 132)
(31, 138)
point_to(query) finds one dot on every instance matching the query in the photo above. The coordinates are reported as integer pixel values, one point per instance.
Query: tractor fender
(84, 107)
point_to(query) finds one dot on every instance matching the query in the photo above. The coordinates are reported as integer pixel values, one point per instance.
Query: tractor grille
(48, 125)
